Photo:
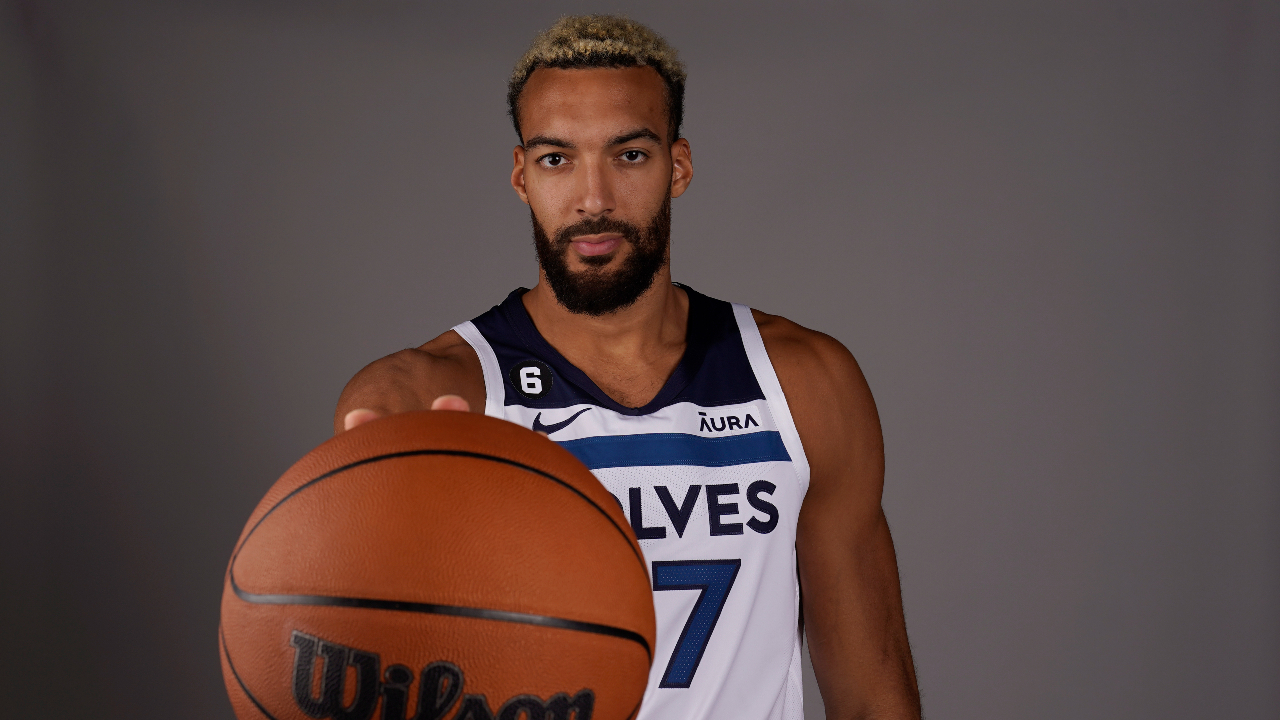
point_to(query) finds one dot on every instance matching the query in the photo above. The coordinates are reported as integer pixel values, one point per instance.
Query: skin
(595, 145)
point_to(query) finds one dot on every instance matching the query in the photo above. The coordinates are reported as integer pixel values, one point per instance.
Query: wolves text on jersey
(721, 511)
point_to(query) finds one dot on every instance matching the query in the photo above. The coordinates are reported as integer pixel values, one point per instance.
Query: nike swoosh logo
(553, 427)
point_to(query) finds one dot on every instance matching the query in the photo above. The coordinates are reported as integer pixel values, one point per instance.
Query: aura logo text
(727, 422)
(321, 692)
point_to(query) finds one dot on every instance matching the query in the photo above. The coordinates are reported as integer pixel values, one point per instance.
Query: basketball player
(744, 449)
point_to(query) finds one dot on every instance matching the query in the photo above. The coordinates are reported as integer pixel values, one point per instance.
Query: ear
(681, 167)
(517, 174)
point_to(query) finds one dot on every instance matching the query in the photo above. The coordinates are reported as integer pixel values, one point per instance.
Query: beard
(596, 291)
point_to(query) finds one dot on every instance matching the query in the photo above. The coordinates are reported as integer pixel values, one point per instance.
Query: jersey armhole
(768, 379)
(494, 392)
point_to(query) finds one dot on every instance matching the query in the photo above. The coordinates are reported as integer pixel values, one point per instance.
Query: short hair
(601, 41)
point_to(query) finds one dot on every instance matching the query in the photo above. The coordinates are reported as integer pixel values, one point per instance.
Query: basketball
(434, 564)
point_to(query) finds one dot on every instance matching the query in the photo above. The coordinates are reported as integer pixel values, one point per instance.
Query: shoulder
(448, 347)
(411, 379)
(801, 349)
(815, 369)
(827, 393)
(449, 354)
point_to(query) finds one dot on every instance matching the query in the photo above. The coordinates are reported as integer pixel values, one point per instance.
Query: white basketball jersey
(710, 474)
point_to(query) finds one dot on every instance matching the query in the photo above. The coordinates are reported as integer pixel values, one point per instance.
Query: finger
(451, 402)
(358, 417)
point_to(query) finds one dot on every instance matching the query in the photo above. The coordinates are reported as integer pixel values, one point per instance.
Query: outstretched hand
(361, 416)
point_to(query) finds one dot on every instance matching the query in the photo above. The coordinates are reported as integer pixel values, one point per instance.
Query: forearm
(856, 630)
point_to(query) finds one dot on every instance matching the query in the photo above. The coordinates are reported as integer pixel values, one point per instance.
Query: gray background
(1050, 232)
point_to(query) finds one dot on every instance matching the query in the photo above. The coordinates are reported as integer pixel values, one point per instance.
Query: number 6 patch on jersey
(531, 378)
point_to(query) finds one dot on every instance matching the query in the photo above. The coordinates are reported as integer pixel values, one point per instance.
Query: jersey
(710, 473)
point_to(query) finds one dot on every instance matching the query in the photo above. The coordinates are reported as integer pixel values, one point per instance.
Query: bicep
(848, 571)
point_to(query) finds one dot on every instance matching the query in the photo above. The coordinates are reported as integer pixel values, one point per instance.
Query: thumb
(451, 402)
(359, 416)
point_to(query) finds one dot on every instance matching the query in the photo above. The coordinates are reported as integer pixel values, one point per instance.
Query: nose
(595, 192)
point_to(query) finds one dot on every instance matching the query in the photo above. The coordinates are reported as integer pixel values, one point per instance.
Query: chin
(589, 263)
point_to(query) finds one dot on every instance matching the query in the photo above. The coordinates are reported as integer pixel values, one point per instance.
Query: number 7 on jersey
(714, 578)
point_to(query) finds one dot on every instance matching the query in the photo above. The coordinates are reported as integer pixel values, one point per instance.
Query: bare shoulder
(816, 371)
(412, 378)
(800, 348)
(449, 346)
(828, 395)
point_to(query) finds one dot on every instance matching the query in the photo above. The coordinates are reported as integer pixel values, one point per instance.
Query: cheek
(550, 205)
(638, 201)
(646, 189)
(634, 186)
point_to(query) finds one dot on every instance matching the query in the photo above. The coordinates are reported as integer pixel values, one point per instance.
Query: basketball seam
(438, 609)
(226, 652)
(563, 623)
(458, 453)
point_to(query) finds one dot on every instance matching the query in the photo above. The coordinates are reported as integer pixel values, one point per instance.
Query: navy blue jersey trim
(657, 449)
(714, 370)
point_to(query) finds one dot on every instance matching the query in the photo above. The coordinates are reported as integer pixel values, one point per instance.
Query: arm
(852, 604)
(414, 379)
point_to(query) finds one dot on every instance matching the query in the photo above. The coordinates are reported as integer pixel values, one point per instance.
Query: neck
(648, 334)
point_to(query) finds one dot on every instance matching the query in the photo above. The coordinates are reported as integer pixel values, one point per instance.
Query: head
(597, 102)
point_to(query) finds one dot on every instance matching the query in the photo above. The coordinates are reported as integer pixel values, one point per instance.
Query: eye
(552, 160)
(634, 156)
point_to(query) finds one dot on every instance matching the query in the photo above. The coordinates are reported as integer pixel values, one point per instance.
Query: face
(598, 174)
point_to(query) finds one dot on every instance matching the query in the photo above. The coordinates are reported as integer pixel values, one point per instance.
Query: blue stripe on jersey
(653, 449)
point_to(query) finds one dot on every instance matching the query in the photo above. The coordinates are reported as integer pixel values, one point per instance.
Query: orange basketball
(435, 564)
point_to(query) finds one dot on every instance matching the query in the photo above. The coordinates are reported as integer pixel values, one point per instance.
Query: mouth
(593, 245)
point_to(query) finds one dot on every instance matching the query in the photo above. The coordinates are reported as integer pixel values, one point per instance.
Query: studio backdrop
(1049, 231)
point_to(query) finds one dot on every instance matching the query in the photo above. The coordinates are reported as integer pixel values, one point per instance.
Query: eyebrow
(539, 140)
(636, 135)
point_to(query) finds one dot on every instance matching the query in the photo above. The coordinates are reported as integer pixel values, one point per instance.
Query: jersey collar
(698, 336)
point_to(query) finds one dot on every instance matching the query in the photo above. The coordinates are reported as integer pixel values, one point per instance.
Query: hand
(361, 416)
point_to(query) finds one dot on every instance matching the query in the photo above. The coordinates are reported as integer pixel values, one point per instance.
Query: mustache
(597, 226)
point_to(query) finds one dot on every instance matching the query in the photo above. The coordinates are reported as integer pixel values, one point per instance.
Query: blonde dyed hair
(601, 41)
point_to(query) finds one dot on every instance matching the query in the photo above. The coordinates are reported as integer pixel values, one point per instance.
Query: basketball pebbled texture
(437, 564)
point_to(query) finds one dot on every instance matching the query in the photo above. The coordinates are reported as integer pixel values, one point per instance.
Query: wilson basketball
(437, 564)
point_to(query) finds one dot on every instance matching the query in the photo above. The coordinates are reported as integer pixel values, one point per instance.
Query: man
(745, 449)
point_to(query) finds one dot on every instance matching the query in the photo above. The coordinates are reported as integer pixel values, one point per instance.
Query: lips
(592, 245)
